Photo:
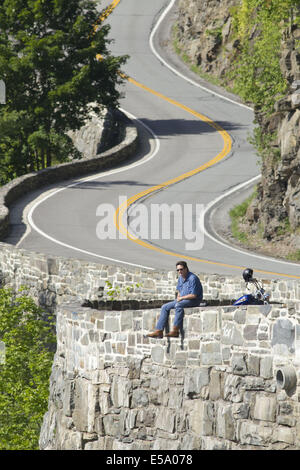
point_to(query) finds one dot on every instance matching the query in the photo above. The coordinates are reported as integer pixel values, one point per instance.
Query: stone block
(85, 399)
(194, 344)
(240, 410)
(175, 398)
(121, 348)
(112, 324)
(195, 380)
(286, 420)
(40, 264)
(225, 423)
(254, 383)
(265, 408)
(240, 316)
(210, 353)
(283, 336)
(210, 322)
(232, 389)
(93, 336)
(194, 326)
(284, 434)
(239, 364)
(295, 98)
(140, 398)
(226, 354)
(101, 376)
(266, 367)
(104, 401)
(190, 442)
(157, 354)
(95, 445)
(181, 358)
(214, 443)
(120, 392)
(126, 320)
(231, 335)
(111, 424)
(253, 365)
(164, 444)
(53, 266)
(149, 320)
(131, 340)
(131, 419)
(201, 417)
(68, 399)
(216, 385)
(166, 420)
(250, 332)
(253, 315)
(72, 440)
(253, 434)
(146, 417)
(297, 340)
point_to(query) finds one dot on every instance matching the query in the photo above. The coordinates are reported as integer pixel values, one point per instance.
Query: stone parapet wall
(231, 381)
(55, 280)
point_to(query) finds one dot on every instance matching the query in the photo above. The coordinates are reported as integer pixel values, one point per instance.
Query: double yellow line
(121, 211)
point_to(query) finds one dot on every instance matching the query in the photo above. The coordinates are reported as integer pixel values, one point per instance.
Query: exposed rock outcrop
(278, 201)
(205, 34)
(100, 133)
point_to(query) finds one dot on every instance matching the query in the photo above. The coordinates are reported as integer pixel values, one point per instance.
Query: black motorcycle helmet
(247, 274)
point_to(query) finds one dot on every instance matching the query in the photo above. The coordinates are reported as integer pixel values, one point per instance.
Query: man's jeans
(179, 312)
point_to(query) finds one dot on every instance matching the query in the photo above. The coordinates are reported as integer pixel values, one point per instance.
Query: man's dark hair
(182, 263)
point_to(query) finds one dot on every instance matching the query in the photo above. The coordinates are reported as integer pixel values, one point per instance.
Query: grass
(294, 256)
(237, 214)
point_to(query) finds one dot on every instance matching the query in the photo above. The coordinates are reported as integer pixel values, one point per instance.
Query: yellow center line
(226, 149)
(122, 209)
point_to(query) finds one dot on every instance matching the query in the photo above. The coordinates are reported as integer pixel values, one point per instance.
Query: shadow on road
(172, 127)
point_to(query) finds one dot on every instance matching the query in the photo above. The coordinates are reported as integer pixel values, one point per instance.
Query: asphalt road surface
(150, 212)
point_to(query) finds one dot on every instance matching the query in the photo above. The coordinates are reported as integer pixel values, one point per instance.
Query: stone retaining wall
(231, 382)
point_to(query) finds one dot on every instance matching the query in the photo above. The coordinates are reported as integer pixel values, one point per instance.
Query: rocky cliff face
(204, 34)
(279, 190)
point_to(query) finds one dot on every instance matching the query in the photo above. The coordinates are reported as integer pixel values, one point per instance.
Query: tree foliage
(25, 372)
(49, 60)
(258, 27)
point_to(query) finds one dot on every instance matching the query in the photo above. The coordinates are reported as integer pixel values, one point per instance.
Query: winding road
(193, 152)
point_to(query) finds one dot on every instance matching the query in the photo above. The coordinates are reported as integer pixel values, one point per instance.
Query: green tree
(49, 60)
(24, 374)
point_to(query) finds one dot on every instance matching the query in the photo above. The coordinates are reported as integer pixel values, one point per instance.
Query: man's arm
(186, 297)
(192, 287)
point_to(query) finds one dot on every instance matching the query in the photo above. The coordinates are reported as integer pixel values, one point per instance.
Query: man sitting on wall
(190, 294)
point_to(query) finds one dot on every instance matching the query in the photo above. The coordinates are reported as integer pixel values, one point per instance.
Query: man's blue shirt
(190, 285)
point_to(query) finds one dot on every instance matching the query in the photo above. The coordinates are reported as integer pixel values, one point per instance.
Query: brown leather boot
(174, 333)
(156, 334)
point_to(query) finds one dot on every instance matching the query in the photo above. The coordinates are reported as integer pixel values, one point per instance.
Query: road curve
(193, 151)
